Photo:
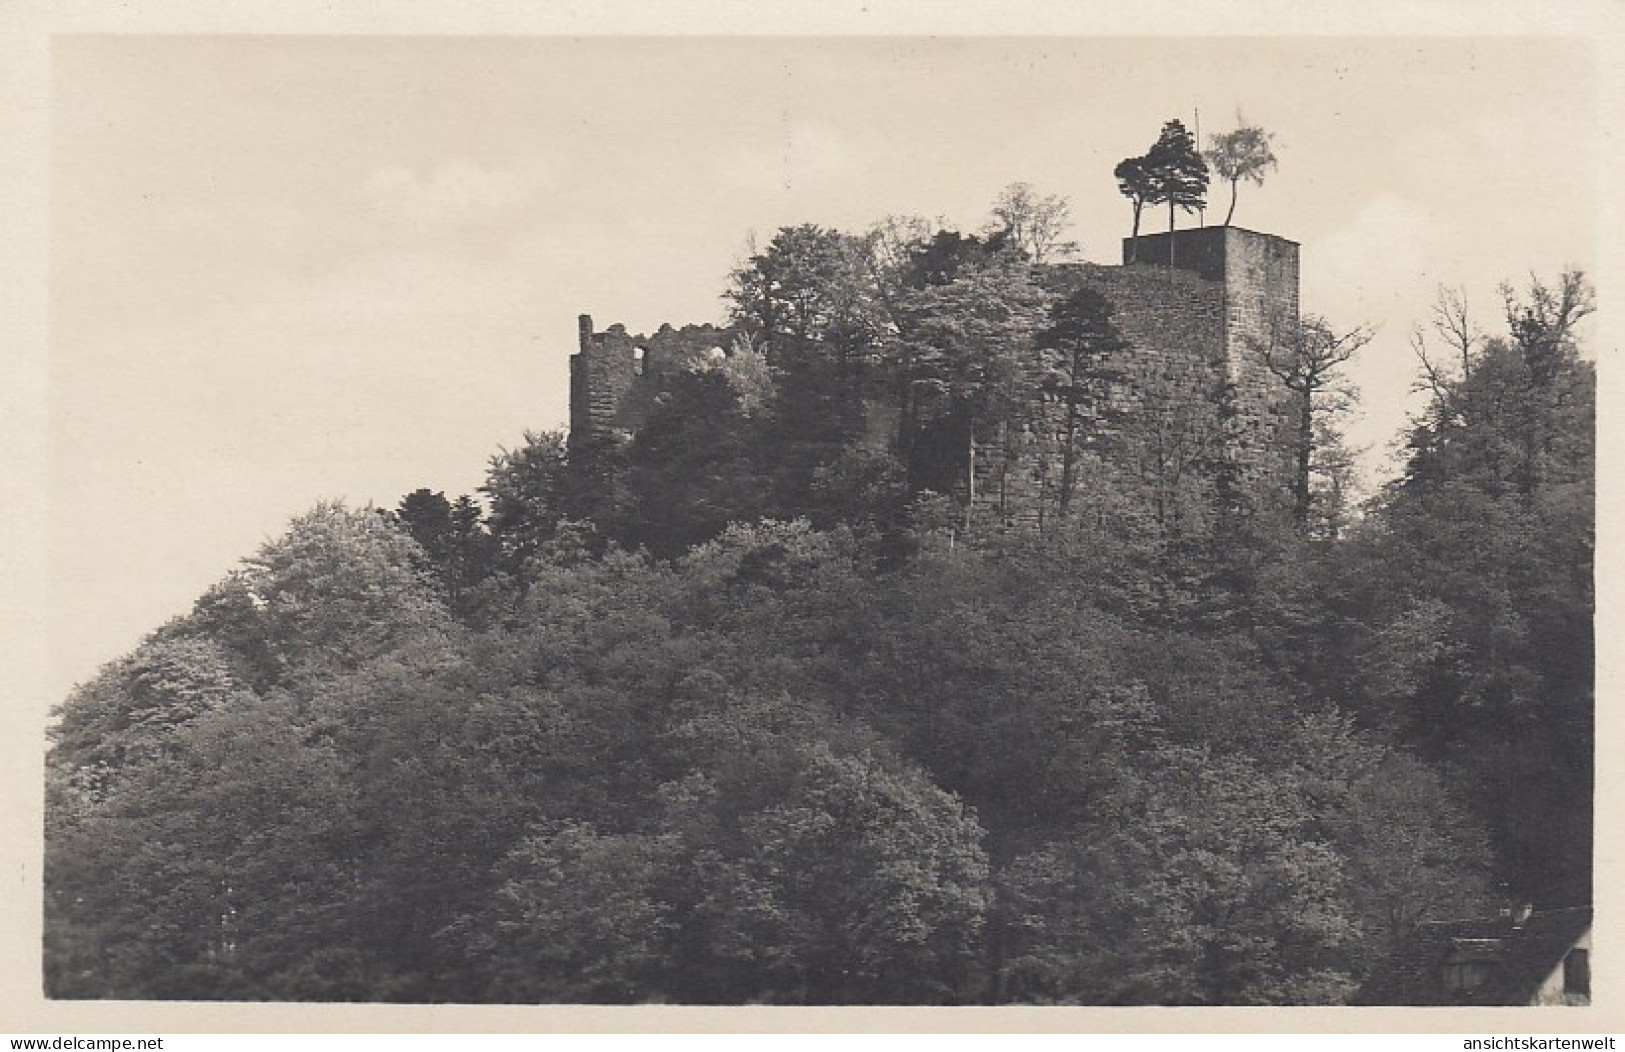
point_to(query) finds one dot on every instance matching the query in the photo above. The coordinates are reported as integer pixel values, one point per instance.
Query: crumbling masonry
(1195, 393)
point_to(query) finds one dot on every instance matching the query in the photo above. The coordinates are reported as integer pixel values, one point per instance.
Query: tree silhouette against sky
(1242, 153)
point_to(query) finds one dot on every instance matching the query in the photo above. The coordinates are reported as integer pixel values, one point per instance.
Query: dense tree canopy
(759, 773)
(750, 708)
(1473, 585)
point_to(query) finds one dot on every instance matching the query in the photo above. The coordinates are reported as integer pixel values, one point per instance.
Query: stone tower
(1257, 276)
(1192, 383)
(602, 372)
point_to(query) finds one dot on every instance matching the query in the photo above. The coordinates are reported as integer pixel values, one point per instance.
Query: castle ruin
(1193, 307)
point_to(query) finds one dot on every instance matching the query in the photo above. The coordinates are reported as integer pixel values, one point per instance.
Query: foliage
(1137, 182)
(461, 552)
(1469, 591)
(340, 589)
(809, 286)
(967, 353)
(1079, 346)
(738, 710)
(1307, 356)
(689, 468)
(759, 773)
(1033, 223)
(529, 492)
(1244, 152)
(1230, 901)
(1176, 172)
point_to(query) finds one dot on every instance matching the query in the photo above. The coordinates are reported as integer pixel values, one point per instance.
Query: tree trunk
(1232, 211)
(1305, 452)
(1069, 458)
(1170, 235)
(1134, 235)
(905, 408)
(970, 477)
(1002, 492)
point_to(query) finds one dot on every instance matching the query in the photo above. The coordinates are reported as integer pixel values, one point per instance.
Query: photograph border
(25, 33)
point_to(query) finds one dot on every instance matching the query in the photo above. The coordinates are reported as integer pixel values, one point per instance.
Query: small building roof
(1516, 959)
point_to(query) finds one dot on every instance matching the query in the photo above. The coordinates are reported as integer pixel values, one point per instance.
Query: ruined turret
(615, 376)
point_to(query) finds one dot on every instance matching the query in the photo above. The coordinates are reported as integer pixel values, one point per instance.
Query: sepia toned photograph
(821, 521)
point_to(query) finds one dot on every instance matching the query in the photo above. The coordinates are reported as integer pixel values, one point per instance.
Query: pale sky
(285, 269)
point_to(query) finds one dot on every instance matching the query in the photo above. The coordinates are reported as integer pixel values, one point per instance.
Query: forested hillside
(750, 709)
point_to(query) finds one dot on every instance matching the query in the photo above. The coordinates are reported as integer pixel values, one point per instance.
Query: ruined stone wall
(602, 372)
(1193, 392)
(1171, 321)
(616, 377)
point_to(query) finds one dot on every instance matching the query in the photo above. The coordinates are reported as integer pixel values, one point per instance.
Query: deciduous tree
(1034, 223)
(1473, 583)
(1307, 356)
(1242, 153)
(532, 487)
(970, 345)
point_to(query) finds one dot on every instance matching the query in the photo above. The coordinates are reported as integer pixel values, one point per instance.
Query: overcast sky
(285, 269)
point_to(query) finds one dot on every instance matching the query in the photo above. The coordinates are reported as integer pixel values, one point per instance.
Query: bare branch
(1306, 355)
(1434, 379)
(1453, 323)
(1035, 224)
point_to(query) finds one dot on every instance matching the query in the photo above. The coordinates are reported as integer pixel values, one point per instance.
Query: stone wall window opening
(1577, 973)
(640, 361)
